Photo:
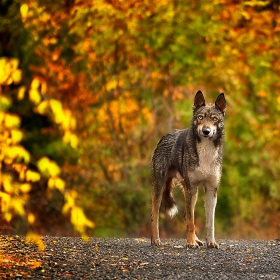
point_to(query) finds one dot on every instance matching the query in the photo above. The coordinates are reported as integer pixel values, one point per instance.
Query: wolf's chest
(208, 165)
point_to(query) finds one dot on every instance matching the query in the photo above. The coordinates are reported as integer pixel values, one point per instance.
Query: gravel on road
(134, 258)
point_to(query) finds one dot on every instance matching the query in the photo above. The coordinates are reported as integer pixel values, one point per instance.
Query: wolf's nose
(206, 130)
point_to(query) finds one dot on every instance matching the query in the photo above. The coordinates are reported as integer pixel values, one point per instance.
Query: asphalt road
(134, 258)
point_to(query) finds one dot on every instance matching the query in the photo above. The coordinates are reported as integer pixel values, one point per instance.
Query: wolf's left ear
(220, 103)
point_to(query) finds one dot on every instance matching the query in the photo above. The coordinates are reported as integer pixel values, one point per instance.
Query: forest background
(89, 87)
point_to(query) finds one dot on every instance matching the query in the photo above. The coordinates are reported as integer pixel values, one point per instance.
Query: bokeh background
(89, 87)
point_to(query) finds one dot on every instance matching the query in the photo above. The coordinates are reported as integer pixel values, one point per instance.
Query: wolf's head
(208, 119)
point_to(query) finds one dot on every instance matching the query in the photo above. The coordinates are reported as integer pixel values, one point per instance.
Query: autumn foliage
(88, 88)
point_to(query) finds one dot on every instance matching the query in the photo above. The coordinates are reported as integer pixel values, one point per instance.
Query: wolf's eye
(214, 119)
(200, 117)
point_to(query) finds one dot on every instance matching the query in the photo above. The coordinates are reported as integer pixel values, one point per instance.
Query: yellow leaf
(24, 11)
(25, 188)
(59, 117)
(34, 238)
(73, 141)
(35, 83)
(20, 152)
(85, 238)
(5, 201)
(16, 76)
(59, 184)
(5, 72)
(66, 137)
(111, 85)
(66, 207)
(31, 218)
(57, 110)
(66, 119)
(41, 108)
(18, 205)
(51, 183)
(12, 120)
(11, 152)
(54, 169)
(79, 220)
(70, 197)
(16, 135)
(22, 175)
(34, 96)
(43, 164)
(73, 123)
(7, 184)
(8, 216)
(14, 64)
(8, 81)
(55, 105)
(21, 92)
(32, 176)
(25, 155)
(43, 87)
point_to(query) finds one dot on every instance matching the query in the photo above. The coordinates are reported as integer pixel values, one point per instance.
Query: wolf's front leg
(210, 205)
(190, 199)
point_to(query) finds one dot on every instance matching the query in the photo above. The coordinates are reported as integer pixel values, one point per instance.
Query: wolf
(192, 157)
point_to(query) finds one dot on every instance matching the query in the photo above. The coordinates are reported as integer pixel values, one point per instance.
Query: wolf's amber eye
(200, 117)
(214, 119)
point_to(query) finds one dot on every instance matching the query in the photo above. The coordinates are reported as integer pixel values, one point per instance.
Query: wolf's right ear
(199, 100)
(220, 103)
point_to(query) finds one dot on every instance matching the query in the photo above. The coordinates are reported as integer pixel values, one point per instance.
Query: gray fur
(193, 157)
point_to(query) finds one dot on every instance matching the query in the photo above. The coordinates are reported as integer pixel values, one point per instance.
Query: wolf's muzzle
(206, 131)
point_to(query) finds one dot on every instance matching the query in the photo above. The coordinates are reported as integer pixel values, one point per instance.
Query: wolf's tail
(169, 202)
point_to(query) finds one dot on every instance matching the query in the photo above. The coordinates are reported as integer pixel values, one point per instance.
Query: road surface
(134, 258)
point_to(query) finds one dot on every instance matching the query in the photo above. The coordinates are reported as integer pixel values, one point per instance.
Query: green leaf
(5, 103)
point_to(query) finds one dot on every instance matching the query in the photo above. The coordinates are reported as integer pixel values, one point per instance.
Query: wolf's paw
(212, 244)
(199, 242)
(155, 242)
(192, 245)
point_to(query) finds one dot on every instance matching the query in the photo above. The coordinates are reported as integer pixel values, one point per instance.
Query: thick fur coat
(192, 156)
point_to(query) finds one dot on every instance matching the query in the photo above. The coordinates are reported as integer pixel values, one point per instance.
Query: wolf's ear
(220, 103)
(198, 100)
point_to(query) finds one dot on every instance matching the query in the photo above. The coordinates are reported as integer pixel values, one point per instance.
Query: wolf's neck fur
(208, 156)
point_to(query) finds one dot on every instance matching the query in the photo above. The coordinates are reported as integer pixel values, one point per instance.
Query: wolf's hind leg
(156, 201)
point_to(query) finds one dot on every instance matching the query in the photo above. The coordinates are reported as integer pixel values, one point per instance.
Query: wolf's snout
(206, 131)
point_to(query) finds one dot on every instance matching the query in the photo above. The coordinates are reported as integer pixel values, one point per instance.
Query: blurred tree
(128, 71)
